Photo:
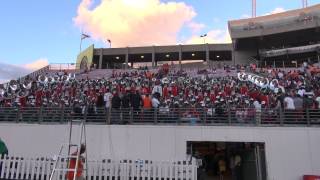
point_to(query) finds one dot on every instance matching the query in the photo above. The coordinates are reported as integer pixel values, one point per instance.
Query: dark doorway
(229, 160)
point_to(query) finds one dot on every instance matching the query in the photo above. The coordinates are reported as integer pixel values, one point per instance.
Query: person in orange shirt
(147, 102)
(72, 165)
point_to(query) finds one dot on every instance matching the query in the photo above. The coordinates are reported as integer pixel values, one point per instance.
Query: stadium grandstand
(257, 98)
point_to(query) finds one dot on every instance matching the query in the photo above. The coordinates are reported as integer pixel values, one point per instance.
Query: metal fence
(173, 116)
(103, 169)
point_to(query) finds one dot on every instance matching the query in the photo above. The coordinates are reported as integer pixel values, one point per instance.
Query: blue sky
(37, 29)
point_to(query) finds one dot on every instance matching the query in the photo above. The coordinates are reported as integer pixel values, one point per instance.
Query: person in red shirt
(244, 90)
(174, 90)
(39, 94)
(72, 165)
(165, 92)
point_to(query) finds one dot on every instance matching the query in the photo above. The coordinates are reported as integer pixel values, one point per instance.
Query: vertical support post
(308, 116)
(153, 57)
(204, 112)
(180, 56)
(100, 59)
(274, 63)
(62, 114)
(281, 116)
(131, 115)
(207, 53)
(258, 162)
(127, 59)
(18, 115)
(155, 115)
(229, 116)
(109, 115)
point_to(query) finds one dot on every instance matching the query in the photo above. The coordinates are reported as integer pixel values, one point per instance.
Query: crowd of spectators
(170, 88)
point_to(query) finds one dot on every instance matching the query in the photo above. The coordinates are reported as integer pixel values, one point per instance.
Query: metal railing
(172, 116)
(15, 167)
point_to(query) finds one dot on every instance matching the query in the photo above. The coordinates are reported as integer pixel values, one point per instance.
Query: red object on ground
(311, 177)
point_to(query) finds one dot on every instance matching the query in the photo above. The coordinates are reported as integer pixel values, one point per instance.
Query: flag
(84, 36)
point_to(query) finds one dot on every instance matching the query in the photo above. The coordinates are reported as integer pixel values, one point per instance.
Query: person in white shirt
(107, 99)
(289, 103)
(301, 92)
(318, 101)
(157, 89)
(155, 102)
(257, 106)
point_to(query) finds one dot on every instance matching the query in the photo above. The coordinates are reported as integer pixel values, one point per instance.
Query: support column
(100, 59)
(127, 59)
(207, 53)
(274, 63)
(153, 57)
(180, 56)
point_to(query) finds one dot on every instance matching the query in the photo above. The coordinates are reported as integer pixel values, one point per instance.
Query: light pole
(109, 41)
(204, 38)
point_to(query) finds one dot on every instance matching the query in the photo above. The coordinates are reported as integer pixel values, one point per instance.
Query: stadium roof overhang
(293, 20)
(166, 53)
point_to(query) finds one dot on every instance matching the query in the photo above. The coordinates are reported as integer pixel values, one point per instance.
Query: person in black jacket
(136, 102)
(115, 106)
(126, 107)
(116, 101)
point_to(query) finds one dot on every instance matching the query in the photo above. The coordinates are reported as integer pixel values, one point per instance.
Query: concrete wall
(290, 152)
(242, 57)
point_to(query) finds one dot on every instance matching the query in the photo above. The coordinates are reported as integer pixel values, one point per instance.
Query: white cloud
(196, 27)
(245, 16)
(131, 23)
(9, 71)
(276, 10)
(213, 36)
(37, 64)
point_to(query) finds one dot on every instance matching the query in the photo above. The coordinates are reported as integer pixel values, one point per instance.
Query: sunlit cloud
(134, 23)
(10, 71)
(276, 10)
(37, 64)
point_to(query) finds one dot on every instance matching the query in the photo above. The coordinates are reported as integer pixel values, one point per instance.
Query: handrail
(173, 116)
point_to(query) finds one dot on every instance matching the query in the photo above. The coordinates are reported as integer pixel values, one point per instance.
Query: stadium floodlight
(304, 3)
(117, 57)
(109, 41)
(204, 38)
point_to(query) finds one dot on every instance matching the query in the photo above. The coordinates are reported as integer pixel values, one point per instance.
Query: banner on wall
(84, 59)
